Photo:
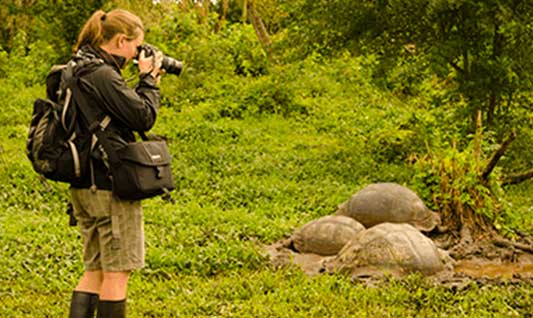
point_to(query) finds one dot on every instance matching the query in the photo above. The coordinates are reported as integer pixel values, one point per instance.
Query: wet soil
(282, 255)
(481, 268)
(480, 261)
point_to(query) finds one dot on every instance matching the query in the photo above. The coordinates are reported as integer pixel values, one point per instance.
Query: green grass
(242, 182)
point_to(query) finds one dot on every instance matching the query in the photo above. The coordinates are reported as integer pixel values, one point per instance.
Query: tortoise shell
(392, 248)
(326, 235)
(389, 202)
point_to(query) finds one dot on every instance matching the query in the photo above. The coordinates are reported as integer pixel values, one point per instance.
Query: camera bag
(139, 170)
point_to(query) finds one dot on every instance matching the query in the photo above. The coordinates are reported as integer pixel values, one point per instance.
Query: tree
(252, 11)
(484, 46)
(56, 21)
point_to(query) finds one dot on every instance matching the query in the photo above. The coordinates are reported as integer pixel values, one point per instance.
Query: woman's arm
(134, 108)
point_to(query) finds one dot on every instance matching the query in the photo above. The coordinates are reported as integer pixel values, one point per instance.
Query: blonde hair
(102, 27)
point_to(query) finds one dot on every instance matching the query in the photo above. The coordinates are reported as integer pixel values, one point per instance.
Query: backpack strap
(97, 128)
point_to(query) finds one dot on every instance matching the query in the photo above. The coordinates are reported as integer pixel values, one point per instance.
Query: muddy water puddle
(494, 270)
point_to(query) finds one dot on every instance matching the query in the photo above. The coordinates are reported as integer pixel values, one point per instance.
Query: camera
(169, 64)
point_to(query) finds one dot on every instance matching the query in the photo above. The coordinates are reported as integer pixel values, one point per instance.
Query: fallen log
(517, 178)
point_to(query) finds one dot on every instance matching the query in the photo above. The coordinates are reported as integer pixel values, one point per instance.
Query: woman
(111, 229)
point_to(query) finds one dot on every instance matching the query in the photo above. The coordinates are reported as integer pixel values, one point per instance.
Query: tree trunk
(244, 11)
(496, 53)
(259, 27)
(203, 10)
(222, 20)
(184, 5)
(490, 110)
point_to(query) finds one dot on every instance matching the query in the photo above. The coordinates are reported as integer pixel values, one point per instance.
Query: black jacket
(130, 109)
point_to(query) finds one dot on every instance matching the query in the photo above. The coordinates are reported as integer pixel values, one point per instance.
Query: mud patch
(281, 254)
(483, 263)
(483, 268)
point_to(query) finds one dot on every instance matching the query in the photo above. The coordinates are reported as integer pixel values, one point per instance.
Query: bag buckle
(159, 172)
(167, 197)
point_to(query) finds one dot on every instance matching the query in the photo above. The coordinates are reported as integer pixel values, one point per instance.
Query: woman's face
(128, 48)
(122, 46)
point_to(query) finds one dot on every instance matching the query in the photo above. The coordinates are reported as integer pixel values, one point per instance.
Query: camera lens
(171, 65)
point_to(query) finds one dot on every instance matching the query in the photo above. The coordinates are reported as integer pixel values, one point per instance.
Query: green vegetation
(261, 145)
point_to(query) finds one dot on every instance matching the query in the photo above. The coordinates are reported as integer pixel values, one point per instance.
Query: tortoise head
(342, 209)
(428, 222)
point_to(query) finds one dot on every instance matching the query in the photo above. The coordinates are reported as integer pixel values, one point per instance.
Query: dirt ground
(481, 261)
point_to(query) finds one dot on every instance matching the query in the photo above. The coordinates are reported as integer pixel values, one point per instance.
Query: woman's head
(113, 29)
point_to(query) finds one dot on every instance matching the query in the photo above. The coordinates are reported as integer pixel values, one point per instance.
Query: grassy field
(246, 176)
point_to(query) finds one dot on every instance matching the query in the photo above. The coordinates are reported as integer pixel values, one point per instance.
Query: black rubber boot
(111, 309)
(83, 305)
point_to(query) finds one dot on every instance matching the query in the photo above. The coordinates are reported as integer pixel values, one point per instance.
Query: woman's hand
(150, 64)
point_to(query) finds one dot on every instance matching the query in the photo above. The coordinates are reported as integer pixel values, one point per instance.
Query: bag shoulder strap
(96, 127)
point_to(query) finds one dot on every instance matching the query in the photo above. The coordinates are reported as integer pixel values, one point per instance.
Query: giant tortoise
(392, 248)
(389, 202)
(326, 235)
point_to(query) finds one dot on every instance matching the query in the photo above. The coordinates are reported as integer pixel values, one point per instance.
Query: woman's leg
(114, 285)
(91, 281)
(113, 293)
(85, 296)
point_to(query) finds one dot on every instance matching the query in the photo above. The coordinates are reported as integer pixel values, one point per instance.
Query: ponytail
(102, 27)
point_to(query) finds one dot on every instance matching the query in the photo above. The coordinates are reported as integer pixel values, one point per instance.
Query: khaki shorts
(112, 231)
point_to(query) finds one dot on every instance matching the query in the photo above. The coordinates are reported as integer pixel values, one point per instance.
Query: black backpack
(54, 146)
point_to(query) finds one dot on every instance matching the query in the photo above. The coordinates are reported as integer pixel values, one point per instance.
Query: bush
(26, 64)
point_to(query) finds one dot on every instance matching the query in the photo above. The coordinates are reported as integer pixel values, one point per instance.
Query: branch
(497, 155)
(456, 67)
(507, 243)
(517, 178)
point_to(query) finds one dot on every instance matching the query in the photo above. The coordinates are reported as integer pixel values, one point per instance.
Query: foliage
(451, 180)
(26, 64)
(58, 24)
(483, 46)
